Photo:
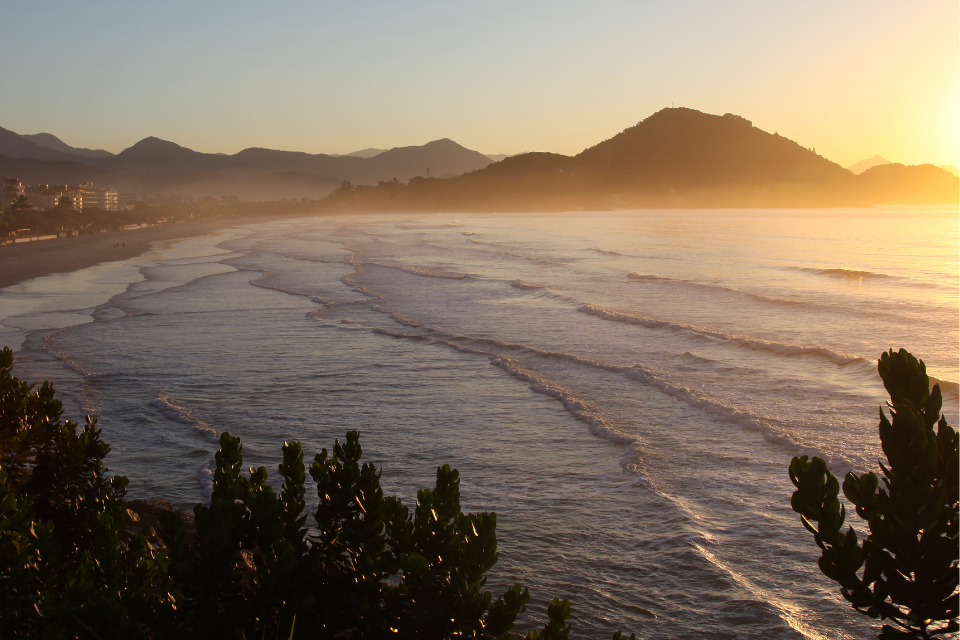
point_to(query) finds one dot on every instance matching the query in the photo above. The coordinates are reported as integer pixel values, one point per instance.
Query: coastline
(24, 261)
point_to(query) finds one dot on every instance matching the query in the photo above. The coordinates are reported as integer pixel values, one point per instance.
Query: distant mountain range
(158, 166)
(869, 163)
(51, 141)
(876, 161)
(676, 157)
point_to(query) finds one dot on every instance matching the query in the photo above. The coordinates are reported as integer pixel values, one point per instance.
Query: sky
(852, 79)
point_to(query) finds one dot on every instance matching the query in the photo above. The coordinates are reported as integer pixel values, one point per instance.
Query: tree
(906, 569)
(251, 568)
(21, 203)
(62, 569)
(65, 203)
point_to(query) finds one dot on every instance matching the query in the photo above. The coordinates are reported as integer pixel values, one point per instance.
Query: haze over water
(624, 389)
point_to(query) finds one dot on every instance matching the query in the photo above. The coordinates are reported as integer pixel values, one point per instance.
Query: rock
(143, 518)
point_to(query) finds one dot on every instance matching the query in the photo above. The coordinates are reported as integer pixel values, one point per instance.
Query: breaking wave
(751, 343)
(422, 271)
(520, 284)
(574, 406)
(852, 274)
(182, 414)
(402, 319)
(646, 277)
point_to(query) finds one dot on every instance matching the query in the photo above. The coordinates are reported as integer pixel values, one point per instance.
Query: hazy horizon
(853, 81)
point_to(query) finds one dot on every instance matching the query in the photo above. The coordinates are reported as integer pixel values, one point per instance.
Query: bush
(905, 571)
(249, 567)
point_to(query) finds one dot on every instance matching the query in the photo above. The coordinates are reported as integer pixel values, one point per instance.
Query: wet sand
(27, 260)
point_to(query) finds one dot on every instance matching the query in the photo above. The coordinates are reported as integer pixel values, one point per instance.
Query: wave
(751, 343)
(770, 429)
(947, 388)
(852, 274)
(182, 414)
(410, 322)
(205, 478)
(856, 274)
(646, 277)
(530, 258)
(520, 284)
(462, 349)
(414, 227)
(398, 334)
(258, 282)
(597, 425)
(605, 252)
(423, 271)
(331, 305)
(69, 362)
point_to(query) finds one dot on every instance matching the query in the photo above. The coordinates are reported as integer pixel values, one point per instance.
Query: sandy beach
(27, 260)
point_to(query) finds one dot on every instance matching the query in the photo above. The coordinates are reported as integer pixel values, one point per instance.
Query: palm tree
(22, 203)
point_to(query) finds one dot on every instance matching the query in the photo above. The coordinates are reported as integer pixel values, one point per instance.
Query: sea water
(624, 389)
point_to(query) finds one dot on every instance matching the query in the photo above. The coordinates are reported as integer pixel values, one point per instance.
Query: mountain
(163, 167)
(153, 155)
(497, 157)
(949, 167)
(366, 153)
(918, 184)
(53, 172)
(51, 141)
(13, 145)
(268, 186)
(434, 158)
(869, 163)
(677, 157)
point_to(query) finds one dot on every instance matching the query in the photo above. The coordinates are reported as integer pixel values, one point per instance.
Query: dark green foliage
(556, 628)
(62, 568)
(250, 568)
(906, 570)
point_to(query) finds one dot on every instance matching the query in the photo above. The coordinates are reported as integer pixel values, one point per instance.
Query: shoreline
(28, 260)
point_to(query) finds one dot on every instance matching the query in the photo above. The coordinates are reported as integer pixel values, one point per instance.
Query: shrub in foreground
(247, 566)
(905, 570)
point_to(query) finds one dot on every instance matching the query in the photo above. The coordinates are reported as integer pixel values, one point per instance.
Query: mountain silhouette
(51, 141)
(677, 157)
(159, 166)
(153, 155)
(895, 183)
(863, 165)
(366, 153)
(13, 145)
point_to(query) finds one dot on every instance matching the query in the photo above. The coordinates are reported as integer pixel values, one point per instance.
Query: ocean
(624, 389)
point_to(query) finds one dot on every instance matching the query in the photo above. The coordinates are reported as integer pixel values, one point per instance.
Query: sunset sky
(852, 79)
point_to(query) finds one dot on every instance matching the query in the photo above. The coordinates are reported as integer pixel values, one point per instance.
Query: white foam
(397, 334)
(205, 478)
(181, 413)
(597, 425)
(751, 343)
(423, 271)
(410, 322)
(520, 284)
